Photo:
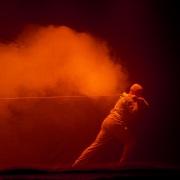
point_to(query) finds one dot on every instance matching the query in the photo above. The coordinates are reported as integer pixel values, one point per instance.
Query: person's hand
(134, 97)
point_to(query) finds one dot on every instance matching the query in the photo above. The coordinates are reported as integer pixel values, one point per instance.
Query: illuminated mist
(53, 61)
(50, 61)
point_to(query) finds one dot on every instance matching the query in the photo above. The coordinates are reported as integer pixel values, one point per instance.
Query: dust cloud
(58, 61)
(49, 62)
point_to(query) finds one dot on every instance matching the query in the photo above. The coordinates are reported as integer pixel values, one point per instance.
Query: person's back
(123, 109)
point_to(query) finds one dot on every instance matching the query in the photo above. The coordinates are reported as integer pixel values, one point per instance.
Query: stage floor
(149, 170)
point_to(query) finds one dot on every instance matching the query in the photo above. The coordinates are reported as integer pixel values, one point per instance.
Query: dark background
(144, 34)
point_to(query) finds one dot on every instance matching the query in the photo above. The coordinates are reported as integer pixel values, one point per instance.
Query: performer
(115, 125)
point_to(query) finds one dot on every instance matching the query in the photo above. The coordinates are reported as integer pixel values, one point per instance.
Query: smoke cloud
(49, 61)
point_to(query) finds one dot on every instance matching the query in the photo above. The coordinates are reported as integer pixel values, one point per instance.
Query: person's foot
(123, 166)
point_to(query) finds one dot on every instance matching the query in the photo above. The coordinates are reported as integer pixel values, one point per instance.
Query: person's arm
(136, 104)
(143, 101)
(133, 104)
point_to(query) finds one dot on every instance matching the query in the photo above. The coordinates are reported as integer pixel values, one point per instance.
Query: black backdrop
(143, 33)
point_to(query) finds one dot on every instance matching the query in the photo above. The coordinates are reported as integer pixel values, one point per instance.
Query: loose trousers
(109, 130)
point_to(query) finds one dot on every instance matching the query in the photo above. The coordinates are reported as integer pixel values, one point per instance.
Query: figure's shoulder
(124, 94)
(125, 97)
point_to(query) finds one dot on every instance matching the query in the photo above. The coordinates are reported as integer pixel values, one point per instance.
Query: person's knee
(130, 142)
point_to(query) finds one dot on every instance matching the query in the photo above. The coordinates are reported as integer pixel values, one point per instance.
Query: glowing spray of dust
(57, 61)
(51, 62)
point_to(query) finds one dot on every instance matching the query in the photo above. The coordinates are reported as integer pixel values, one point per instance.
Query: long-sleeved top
(124, 110)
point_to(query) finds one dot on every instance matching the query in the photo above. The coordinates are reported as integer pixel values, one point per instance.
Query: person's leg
(84, 160)
(128, 147)
(126, 137)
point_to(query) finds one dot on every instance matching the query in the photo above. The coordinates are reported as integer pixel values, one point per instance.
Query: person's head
(136, 90)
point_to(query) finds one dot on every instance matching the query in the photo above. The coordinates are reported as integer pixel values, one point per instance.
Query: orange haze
(49, 61)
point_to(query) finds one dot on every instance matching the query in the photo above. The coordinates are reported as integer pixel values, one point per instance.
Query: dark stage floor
(142, 170)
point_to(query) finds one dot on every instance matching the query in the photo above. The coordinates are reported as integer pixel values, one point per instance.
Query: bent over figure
(115, 125)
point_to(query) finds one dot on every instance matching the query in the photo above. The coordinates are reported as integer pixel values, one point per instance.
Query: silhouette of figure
(115, 125)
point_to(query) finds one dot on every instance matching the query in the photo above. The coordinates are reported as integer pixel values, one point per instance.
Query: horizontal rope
(55, 97)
